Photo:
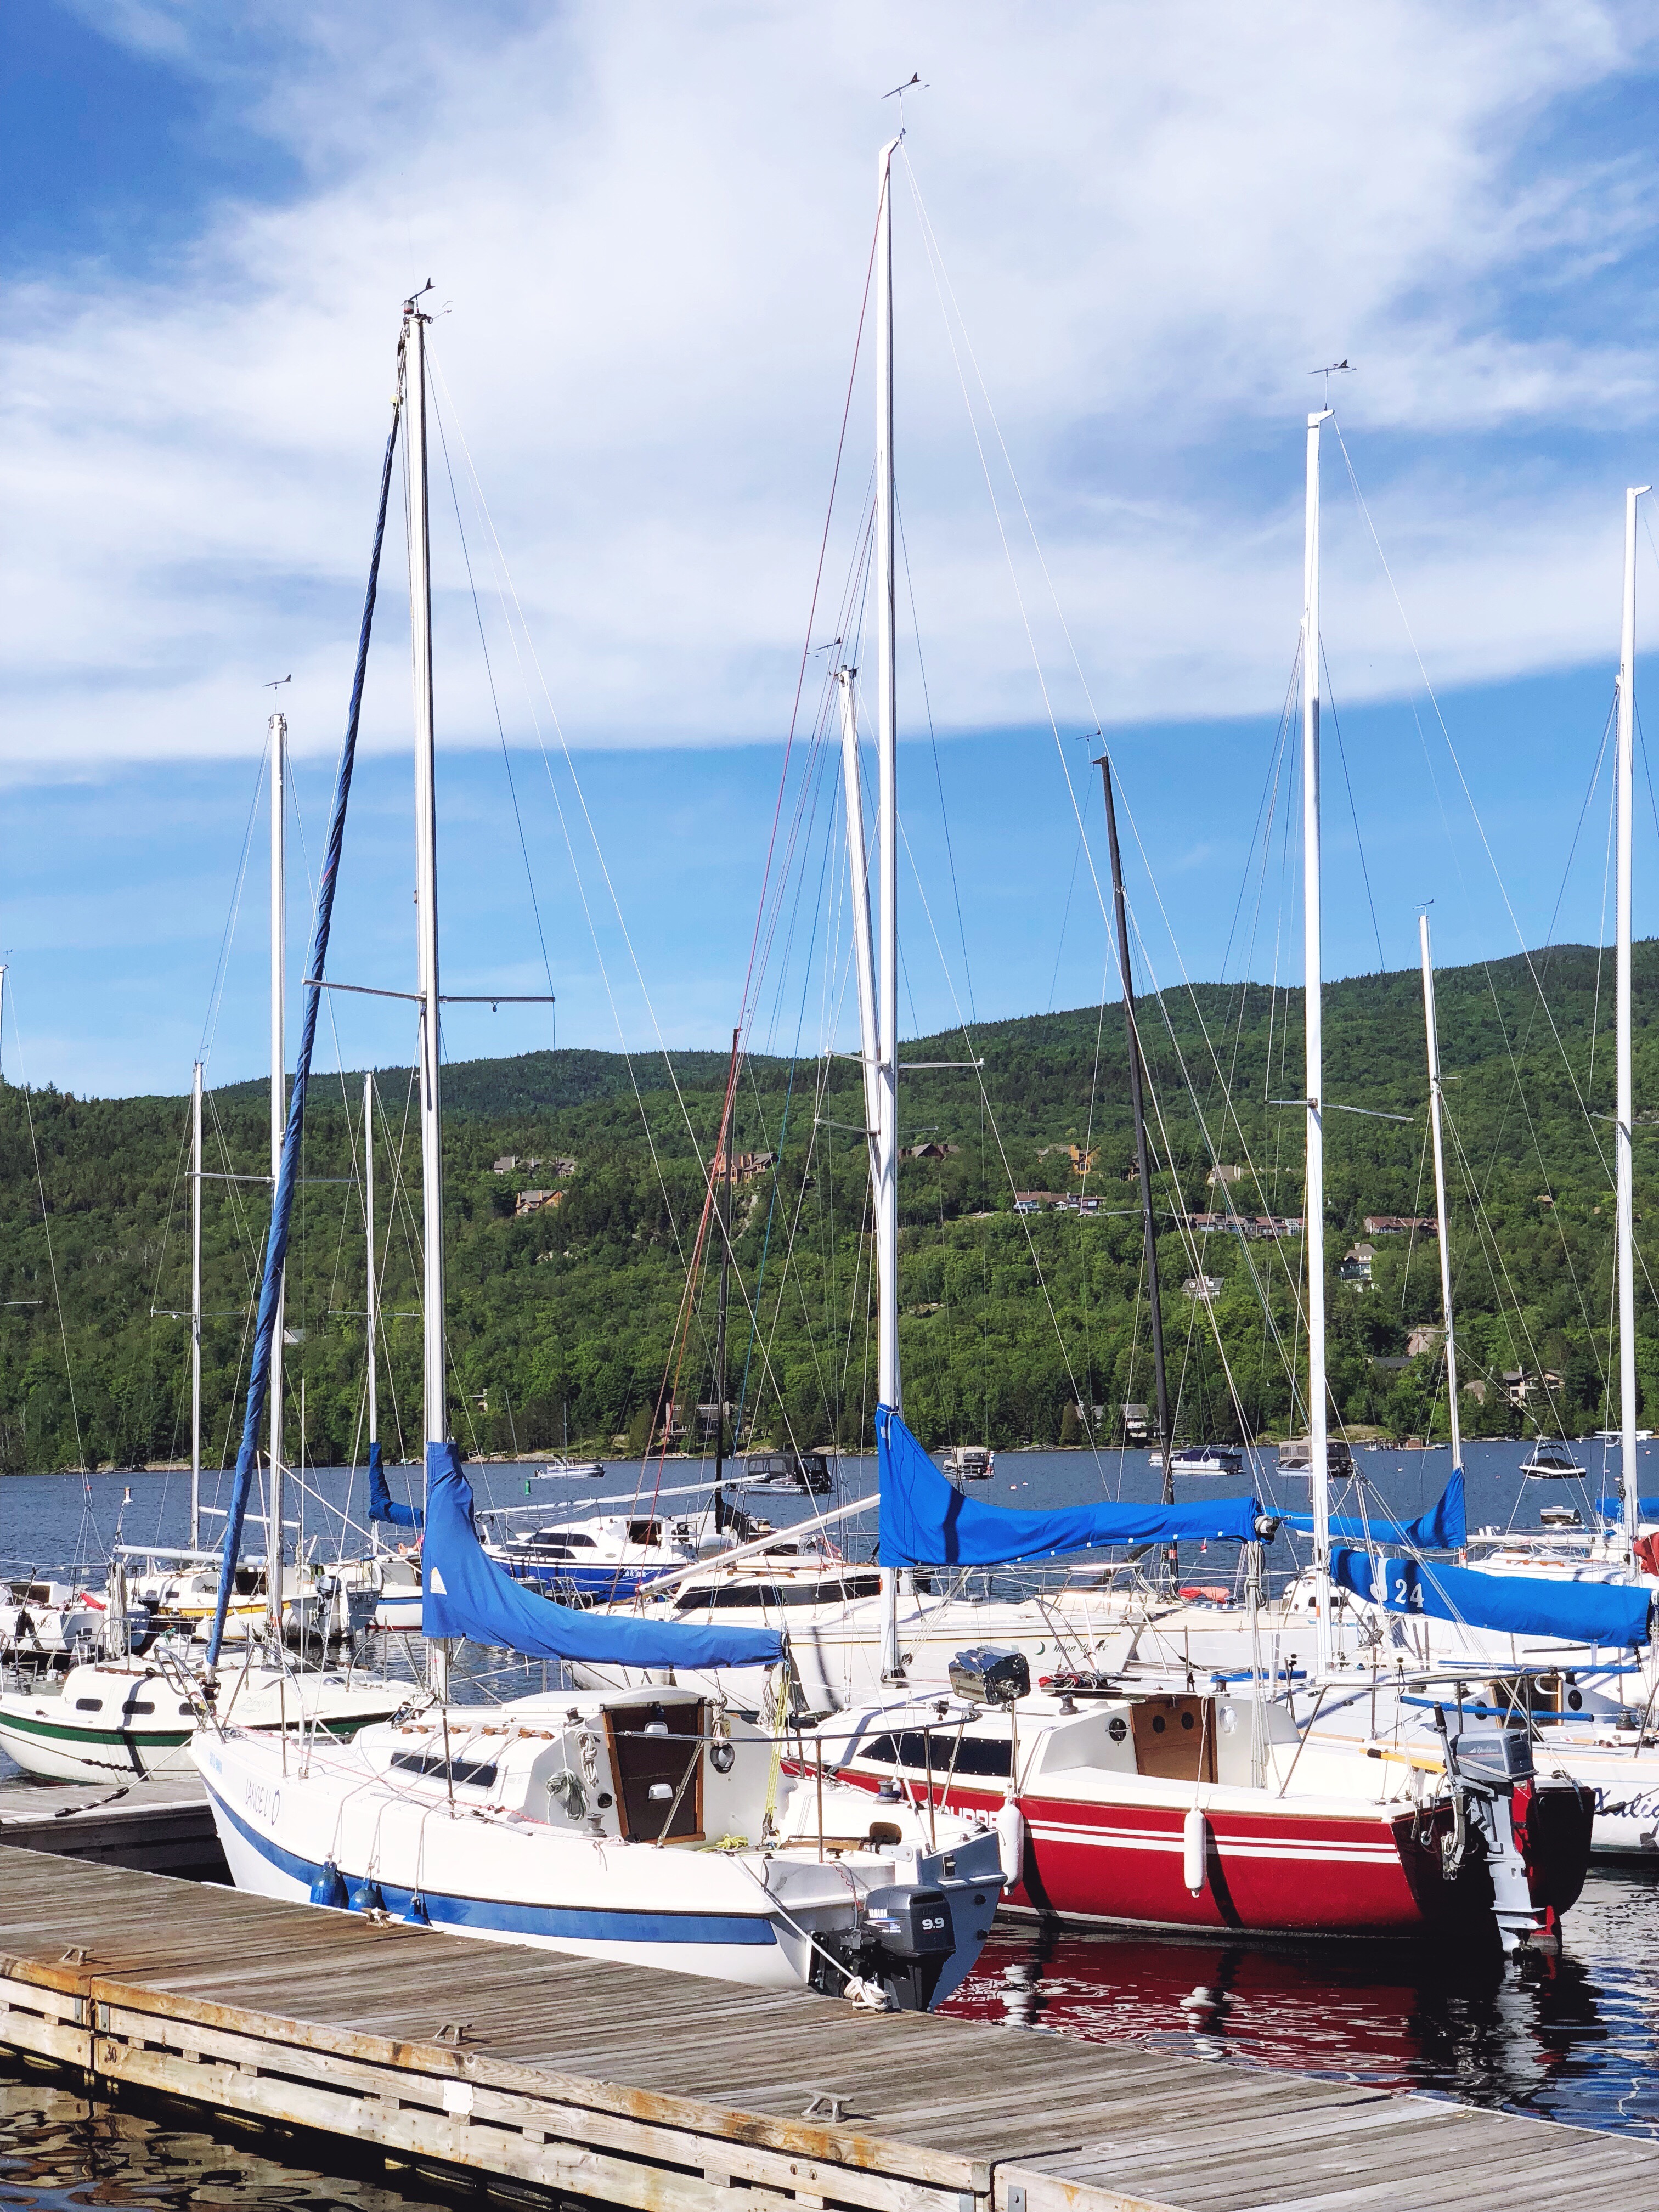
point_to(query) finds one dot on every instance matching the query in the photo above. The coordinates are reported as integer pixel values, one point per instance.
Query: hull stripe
(499, 1916)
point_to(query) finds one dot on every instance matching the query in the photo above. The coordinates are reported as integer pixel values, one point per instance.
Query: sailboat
(1182, 1808)
(127, 1714)
(651, 1824)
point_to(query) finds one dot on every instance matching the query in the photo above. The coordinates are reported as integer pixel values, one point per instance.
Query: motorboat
(1295, 1457)
(646, 1826)
(41, 1619)
(969, 1462)
(805, 1474)
(1551, 1463)
(1203, 1460)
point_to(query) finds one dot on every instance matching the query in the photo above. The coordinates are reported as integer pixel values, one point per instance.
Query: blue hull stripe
(499, 1916)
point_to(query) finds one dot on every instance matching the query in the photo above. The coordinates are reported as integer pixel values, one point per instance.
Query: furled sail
(1614, 1613)
(1443, 1527)
(468, 1593)
(382, 1505)
(926, 1523)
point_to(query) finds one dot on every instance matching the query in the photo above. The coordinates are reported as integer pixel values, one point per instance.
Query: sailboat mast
(1431, 1030)
(726, 1145)
(278, 1129)
(426, 875)
(371, 1300)
(196, 1308)
(888, 1388)
(1143, 1158)
(1313, 1197)
(1624, 1108)
(858, 871)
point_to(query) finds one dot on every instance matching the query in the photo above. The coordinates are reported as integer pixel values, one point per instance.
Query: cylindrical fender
(1195, 1843)
(1011, 1837)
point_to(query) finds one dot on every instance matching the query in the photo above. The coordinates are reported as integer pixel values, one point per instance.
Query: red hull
(1269, 1872)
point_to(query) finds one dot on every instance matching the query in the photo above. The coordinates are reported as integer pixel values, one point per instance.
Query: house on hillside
(1429, 1336)
(1223, 1173)
(1356, 1268)
(746, 1166)
(1203, 1290)
(1036, 1201)
(537, 1202)
(1400, 1224)
(1521, 1384)
(509, 1162)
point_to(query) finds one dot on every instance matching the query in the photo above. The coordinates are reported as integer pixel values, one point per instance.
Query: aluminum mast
(278, 1130)
(889, 1390)
(196, 1308)
(1623, 1113)
(1313, 1238)
(1432, 1030)
(426, 901)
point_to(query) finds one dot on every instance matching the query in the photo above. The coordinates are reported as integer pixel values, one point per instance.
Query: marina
(612, 2083)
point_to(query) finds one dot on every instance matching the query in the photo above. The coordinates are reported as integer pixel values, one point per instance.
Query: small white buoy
(1194, 1846)
(1010, 1839)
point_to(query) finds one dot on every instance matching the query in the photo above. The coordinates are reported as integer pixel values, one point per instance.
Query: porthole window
(1117, 1728)
(1187, 1721)
(1158, 1724)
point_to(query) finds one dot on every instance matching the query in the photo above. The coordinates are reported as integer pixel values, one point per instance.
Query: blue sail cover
(1613, 1509)
(467, 1594)
(926, 1523)
(382, 1505)
(1522, 1605)
(1444, 1528)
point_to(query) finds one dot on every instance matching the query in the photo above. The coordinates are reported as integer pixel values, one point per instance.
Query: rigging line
(45, 1223)
(1457, 764)
(216, 993)
(938, 773)
(494, 701)
(1353, 811)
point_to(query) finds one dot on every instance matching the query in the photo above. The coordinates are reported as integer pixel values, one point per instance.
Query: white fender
(1195, 1837)
(1010, 1839)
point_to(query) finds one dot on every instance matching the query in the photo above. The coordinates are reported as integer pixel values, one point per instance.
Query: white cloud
(653, 224)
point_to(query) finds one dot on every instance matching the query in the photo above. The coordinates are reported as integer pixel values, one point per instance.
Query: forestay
(467, 1594)
(927, 1521)
(1613, 1613)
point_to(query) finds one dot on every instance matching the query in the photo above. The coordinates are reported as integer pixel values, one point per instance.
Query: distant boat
(969, 1462)
(805, 1472)
(1201, 1459)
(1616, 1436)
(1295, 1457)
(1551, 1463)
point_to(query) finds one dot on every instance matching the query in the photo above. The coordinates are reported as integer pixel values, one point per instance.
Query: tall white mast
(858, 872)
(888, 1388)
(196, 1309)
(426, 901)
(1313, 1205)
(371, 1302)
(1432, 1032)
(1624, 1107)
(278, 1124)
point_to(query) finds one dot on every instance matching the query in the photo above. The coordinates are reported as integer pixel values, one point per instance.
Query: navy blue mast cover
(927, 1522)
(382, 1505)
(1524, 1605)
(1443, 1527)
(1613, 1509)
(468, 1593)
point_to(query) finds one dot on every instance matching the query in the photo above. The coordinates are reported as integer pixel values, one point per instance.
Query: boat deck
(665, 2092)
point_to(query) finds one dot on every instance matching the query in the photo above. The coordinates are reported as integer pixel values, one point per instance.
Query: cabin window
(141, 1705)
(465, 1773)
(88, 1704)
(645, 1532)
(974, 1755)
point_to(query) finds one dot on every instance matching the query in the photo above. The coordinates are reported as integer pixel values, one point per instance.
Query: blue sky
(1123, 239)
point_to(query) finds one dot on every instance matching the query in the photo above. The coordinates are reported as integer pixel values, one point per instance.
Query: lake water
(1575, 2039)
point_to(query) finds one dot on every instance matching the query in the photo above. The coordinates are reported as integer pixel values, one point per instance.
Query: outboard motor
(1484, 1766)
(901, 1947)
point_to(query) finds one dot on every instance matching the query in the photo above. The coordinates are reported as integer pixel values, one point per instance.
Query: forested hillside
(563, 1319)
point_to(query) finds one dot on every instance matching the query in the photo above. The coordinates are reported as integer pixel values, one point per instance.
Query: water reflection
(1569, 2039)
(59, 2150)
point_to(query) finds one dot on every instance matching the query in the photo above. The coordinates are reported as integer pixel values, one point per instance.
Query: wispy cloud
(652, 225)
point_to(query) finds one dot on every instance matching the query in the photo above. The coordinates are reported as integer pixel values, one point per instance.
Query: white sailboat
(650, 1826)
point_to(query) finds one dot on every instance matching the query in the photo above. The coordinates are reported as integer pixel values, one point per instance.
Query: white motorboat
(1202, 1460)
(41, 1618)
(643, 1827)
(1551, 1463)
(969, 1462)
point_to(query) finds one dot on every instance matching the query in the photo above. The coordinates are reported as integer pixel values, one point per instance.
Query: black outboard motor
(1483, 1765)
(988, 1676)
(913, 1938)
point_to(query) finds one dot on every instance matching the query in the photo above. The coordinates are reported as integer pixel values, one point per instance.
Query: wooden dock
(666, 2093)
(156, 1827)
